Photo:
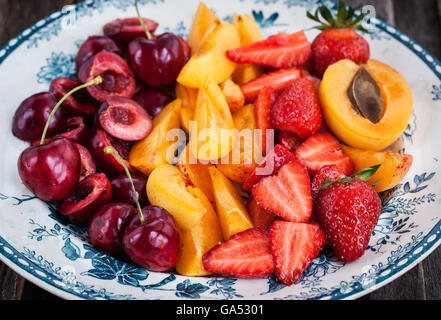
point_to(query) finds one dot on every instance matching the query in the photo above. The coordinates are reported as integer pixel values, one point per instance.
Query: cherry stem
(149, 35)
(93, 82)
(110, 150)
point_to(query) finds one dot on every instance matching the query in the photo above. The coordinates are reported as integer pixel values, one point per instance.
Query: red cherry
(153, 100)
(155, 245)
(32, 114)
(94, 45)
(106, 228)
(108, 162)
(122, 191)
(157, 62)
(125, 30)
(87, 163)
(90, 194)
(52, 170)
(80, 103)
(118, 78)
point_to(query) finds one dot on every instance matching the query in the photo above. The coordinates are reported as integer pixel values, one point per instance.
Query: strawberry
(294, 246)
(278, 51)
(323, 149)
(289, 140)
(287, 194)
(338, 40)
(263, 105)
(316, 81)
(348, 210)
(297, 109)
(278, 80)
(245, 254)
(270, 165)
(261, 218)
(330, 172)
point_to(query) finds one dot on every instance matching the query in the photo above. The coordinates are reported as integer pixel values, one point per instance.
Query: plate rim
(424, 55)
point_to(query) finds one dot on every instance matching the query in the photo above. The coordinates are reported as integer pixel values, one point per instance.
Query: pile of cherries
(81, 132)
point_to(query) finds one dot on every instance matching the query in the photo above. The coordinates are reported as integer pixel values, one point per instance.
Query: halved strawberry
(263, 105)
(278, 51)
(261, 218)
(269, 166)
(294, 246)
(278, 80)
(287, 194)
(289, 140)
(246, 255)
(330, 172)
(323, 149)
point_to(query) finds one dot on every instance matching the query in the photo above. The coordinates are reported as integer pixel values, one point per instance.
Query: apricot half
(394, 166)
(350, 126)
(240, 168)
(232, 213)
(215, 136)
(210, 61)
(248, 32)
(154, 150)
(203, 20)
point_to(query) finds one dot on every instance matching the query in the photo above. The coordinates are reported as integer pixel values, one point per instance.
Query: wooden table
(420, 19)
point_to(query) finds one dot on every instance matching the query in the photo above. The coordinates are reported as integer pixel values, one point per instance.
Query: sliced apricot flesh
(215, 136)
(198, 240)
(394, 166)
(210, 61)
(232, 213)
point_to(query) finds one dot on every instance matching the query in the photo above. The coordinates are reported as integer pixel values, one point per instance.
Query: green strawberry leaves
(363, 175)
(345, 18)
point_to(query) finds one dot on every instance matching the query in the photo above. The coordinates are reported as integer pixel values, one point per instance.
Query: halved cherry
(124, 119)
(88, 166)
(80, 103)
(75, 129)
(106, 228)
(122, 191)
(125, 30)
(108, 162)
(90, 194)
(94, 45)
(153, 100)
(118, 78)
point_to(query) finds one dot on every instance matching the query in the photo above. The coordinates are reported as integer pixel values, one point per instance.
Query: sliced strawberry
(287, 194)
(330, 172)
(289, 140)
(294, 246)
(260, 217)
(278, 80)
(263, 105)
(269, 166)
(278, 51)
(323, 149)
(246, 255)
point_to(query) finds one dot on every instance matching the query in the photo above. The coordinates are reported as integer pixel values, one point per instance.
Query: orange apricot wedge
(394, 166)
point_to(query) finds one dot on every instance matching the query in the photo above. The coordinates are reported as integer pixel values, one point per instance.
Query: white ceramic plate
(41, 247)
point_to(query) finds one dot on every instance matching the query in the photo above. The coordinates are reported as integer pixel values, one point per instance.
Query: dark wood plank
(11, 284)
(421, 21)
(383, 8)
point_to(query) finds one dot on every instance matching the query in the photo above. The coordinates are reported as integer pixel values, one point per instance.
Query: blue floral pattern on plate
(58, 257)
